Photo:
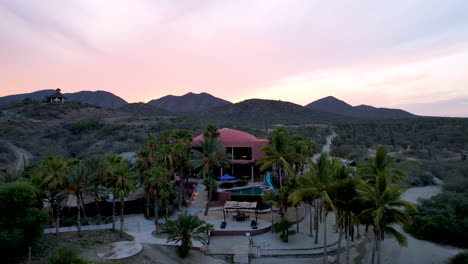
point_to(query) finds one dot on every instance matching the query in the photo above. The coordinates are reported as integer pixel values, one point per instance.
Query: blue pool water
(251, 190)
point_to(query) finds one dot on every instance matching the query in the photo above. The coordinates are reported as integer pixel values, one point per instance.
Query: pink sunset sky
(410, 54)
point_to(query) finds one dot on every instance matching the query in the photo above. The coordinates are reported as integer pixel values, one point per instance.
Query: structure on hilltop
(56, 97)
(245, 150)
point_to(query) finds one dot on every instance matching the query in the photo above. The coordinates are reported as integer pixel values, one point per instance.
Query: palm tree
(185, 229)
(157, 178)
(96, 164)
(381, 164)
(346, 200)
(147, 158)
(304, 150)
(182, 150)
(121, 182)
(280, 154)
(384, 208)
(48, 176)
(213, 155)
(167, 193)
(76, 182)
(319, 183)
(110, 163)
(269, 197)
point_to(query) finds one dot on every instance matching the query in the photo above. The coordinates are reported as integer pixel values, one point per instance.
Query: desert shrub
(19, 228)
(460, 258)
(66, 255)
(284, 227)
(442, 218)
(418, 174)
(84, 125)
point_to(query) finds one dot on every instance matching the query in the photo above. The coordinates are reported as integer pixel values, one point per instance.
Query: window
(242, 153)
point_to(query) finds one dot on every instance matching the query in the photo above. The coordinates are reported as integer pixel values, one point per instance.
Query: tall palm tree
(96, 164)
(346, 200)
(304, 150)
(147, 158)
(381, 164)
(157, 178)
(269, 197)
(76, 181)
(182, 150)
(121, 182)
(319, 183)
(384, 208)
(110, 163)
(184, 230)
(167, 193)
(280, 154)
(213, 155)
(48, 176)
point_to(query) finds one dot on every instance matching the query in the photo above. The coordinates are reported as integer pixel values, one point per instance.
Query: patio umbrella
(226, 177)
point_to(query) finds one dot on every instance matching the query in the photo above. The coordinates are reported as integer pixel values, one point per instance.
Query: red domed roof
(235, 138)
(229, 136)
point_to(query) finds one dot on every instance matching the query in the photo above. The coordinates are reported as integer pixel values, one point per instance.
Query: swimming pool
(250, 190)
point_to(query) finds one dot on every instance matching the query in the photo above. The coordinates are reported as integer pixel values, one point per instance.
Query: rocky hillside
(98, 98)
(258, 112)
(141, 110)
(189, 102)
(331, 104)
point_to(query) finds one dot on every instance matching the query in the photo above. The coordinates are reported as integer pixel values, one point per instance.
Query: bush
(85, 125)
(442, 218)
(66, 255)
(460, 258)
(20, 221)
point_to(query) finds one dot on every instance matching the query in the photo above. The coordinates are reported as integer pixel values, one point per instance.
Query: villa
(245, 150)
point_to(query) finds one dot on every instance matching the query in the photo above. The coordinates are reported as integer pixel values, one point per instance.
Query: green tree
(280, 154)
(384, 208)
(185, 229)
(21, 222)
(48, 177)
(319, 183)
(76, 182)
(213, 155)
(269, 198)
(121, 182)
(284, 227)
(157, 179)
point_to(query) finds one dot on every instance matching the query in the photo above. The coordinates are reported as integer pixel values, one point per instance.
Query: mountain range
(189, 102)
(208, 107)
(331, 104)
(98, 98)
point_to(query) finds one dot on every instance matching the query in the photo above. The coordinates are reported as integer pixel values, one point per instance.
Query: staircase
(241, 258)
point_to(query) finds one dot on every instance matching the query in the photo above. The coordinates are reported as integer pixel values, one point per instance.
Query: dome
(231, 136)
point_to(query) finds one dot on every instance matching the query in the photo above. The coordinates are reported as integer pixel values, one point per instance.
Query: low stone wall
(253, 232)
(222, 197)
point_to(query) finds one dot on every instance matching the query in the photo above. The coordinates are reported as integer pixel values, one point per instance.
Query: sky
(409, 54)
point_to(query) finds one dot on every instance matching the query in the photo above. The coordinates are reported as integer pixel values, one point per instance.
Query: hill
(98, 98)
(189, 102)
(15, 98)
(259, 112)
(331, 104)
(141, 110)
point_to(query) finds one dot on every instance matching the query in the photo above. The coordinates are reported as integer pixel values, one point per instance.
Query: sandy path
(326, 147)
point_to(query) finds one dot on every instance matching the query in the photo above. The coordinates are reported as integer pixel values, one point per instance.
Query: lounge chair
(253, 224)
(223, 225)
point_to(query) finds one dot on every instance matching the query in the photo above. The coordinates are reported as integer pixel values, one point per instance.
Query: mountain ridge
(332, 104)
(99, 98)
(189, 102)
